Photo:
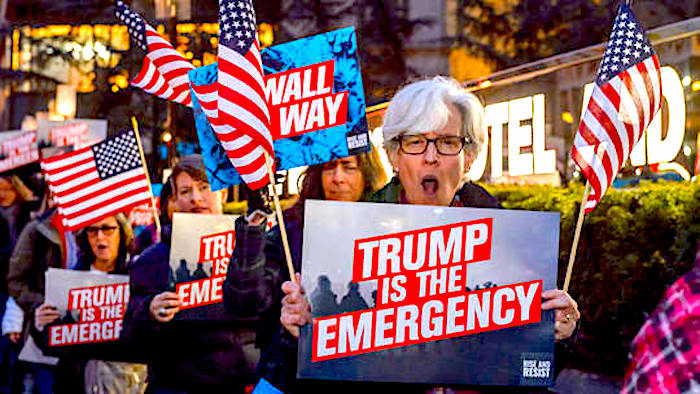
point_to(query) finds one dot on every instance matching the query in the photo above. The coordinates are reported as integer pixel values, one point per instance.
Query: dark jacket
(194, 356)
(6, 246)
(265, 249)
(38, 248)
(278, 348)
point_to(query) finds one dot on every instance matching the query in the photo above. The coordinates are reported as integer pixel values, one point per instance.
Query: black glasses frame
(465, 141)
(106, 230)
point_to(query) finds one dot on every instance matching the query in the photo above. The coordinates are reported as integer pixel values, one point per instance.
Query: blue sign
(317, 106)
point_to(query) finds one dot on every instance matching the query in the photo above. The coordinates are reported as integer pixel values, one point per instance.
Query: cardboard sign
(17, 148)
(142, 215)
(70, 134)
(201, 249)
(314, 91)
(435, 295)
(75, 132)
(91, 306)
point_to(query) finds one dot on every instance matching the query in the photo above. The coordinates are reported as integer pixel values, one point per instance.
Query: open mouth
(200, 210)
(429, 183)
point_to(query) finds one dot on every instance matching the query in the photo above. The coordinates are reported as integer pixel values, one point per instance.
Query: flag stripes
(617, 115)
(97, 181)
(164, 70)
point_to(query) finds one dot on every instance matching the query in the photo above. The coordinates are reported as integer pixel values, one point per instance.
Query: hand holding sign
(44, 315)
(566, 312)
(164, 306)
(296, 310)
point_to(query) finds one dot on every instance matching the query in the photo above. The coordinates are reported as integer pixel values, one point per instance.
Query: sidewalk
(575, 381)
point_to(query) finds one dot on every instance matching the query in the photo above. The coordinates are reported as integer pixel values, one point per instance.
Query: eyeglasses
(448, 145)
(106, 230)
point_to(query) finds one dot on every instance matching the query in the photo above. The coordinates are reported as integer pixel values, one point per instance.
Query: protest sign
(17, 148)
(91, 306)
(420, 294)
(142, 215)
(200, 252)
(76, 132)
(314, 91)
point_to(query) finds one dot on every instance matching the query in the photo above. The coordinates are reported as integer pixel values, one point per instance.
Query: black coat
(194, 356)
(23, 217)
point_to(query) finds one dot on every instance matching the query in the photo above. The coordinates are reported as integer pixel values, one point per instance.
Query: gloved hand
(258, 206)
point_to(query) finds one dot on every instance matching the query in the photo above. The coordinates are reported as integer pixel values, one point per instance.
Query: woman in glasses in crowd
(103, 249)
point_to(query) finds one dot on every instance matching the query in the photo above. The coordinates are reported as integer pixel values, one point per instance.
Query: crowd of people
(433, 131)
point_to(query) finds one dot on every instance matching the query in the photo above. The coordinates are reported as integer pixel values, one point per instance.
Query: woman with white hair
(433, 131)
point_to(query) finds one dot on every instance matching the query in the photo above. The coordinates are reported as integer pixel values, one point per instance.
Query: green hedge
(633, 246)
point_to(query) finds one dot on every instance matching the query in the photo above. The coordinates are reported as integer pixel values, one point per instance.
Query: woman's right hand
(296, 311)
(44, 315)
(164, 306)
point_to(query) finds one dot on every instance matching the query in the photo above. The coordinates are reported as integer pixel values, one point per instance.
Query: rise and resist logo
(302, 100)
(215, 250)
(421, 293)
(100, 312)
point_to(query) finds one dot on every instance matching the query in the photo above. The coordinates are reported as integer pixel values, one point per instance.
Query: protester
(351, 178)
(665, 354)
(433, 131)
(103, 249)
(38, 248)
(16, 204)
(189, 356)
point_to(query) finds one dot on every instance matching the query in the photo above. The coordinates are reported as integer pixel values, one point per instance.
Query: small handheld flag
(164, 70)
(97, 181)
(235, 104)
(625, 98)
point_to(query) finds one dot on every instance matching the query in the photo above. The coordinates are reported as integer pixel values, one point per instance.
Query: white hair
(422, 107)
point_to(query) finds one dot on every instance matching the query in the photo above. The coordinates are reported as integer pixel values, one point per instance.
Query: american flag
(235, 105)
(625, 98)
(97, 181)
(164, 70)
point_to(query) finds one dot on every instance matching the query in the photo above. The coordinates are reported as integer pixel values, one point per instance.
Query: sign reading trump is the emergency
(201, 249)
(91, 306)
(412, 288)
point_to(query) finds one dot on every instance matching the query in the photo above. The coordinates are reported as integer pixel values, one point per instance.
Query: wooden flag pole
(156, 218)
(577, 235)
(599, 150)
(280, 219)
